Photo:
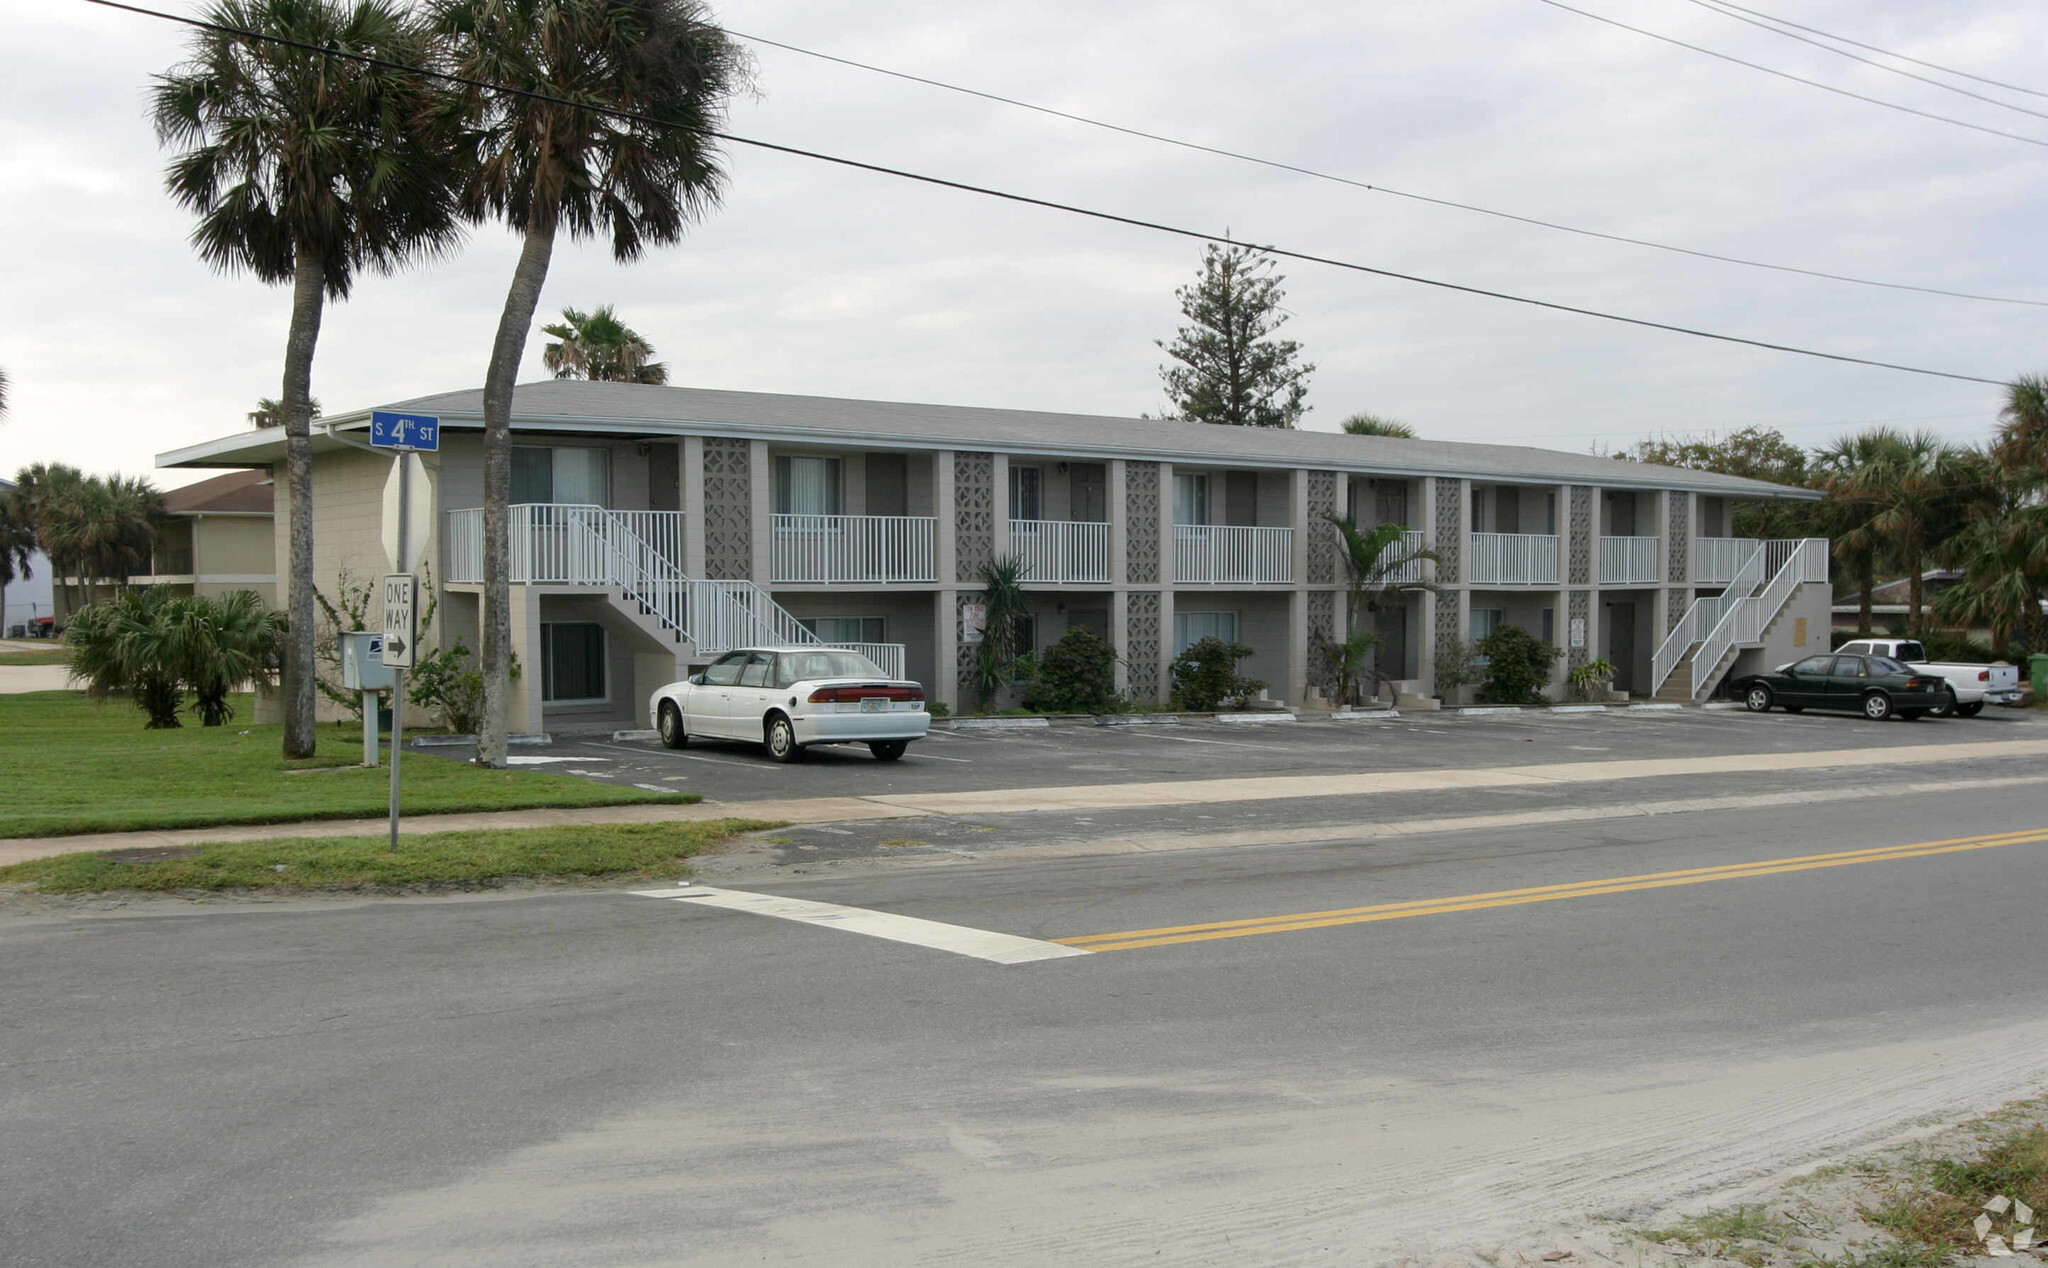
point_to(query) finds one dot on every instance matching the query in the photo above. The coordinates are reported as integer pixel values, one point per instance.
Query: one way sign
(401, 624)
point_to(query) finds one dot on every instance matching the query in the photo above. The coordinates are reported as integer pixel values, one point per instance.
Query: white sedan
(789, 698)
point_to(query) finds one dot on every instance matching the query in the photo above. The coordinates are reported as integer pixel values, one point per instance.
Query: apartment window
(561, 473)
(572, 662)
(1025, 503)
(1191, 498)
(844, 629)
(1550, 625)
(1190, 628)
(1486, 620)
(806, 486)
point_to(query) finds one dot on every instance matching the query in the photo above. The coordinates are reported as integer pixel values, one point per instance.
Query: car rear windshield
(1910, 651)
(794, 667)
(1881, 665)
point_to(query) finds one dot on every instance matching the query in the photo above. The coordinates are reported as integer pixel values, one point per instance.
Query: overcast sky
(814, 279)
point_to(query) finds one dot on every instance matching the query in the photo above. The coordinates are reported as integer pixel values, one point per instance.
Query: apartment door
(1090, 493)
(1619, 620)
(888, 484)
(1390, 503)
(1241, 498)
(1391, 624)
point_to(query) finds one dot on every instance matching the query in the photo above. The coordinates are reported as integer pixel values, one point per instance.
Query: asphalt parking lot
(968, 760)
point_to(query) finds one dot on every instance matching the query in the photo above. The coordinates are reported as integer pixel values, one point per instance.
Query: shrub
(1588, 676)
(1457, 666)
(1942, 645)
(1077, 674)
(1518, 665)
(153, 647)
(1342, 666)
(1205, 677)
(449, 680)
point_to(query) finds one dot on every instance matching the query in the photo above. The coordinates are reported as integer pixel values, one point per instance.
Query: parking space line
(980, 944)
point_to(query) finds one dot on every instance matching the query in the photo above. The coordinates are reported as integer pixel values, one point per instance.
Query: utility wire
(1811, 83)
(1946, 70)
(1765, 24)
(1048, 204)
(1380, 189)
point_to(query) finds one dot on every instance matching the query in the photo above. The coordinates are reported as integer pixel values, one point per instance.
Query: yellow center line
(1134, 939)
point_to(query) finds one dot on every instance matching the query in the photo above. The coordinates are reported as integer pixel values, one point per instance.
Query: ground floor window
(844, 629)
(1190, 628)
(572, 662)
(1486, 620)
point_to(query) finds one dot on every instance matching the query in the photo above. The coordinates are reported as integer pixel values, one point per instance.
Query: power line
(1811, 83)
(1766, 25)
(1048, 204)
(1380, 189)
(1946, 70)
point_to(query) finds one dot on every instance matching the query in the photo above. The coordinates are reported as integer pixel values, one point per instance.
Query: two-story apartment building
(654, 527)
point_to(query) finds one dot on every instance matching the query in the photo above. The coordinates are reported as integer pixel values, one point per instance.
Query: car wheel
(1877, 706)
(888, 750)
(782, 745)
(1970, 710)
(1758, 699)
(671, 726)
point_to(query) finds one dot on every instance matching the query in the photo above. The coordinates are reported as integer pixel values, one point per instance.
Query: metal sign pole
(369, 728)
(398, 675)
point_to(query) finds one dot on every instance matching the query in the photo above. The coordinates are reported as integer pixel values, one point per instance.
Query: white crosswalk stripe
(981, 944)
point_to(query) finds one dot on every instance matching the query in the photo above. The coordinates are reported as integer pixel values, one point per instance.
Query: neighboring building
(28, 602)
(216, 536)
(654, 527)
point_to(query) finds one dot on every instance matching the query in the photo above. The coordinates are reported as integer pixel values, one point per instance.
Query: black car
(1875, 686)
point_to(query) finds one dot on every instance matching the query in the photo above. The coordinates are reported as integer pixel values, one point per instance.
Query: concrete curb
(619, 736)
(1480, 710)
(1365, 715)
(1253, 719)
(1578, 708)
(998, 724)
(1137, 719)
(1654, 708)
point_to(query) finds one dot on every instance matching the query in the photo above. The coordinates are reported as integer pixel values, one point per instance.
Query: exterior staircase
(1703, 645)
(630, 556)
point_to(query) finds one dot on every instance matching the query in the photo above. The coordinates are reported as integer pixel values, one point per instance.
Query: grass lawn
(353, 862)
(68, 765)
(51, 656)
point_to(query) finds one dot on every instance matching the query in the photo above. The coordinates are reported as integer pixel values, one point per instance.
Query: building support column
(525, 711)
(693, 507)
(1297, 643)
(946, 649)
(1166, 648)
(761, 478)
(1000, 508)
(1120, 636)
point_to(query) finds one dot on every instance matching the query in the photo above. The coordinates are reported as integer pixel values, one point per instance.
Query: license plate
(875, 704)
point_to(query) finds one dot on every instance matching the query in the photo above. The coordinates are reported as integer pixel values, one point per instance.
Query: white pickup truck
(1973, 685)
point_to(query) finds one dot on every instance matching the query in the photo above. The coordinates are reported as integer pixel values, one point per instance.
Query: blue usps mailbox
(392, 430)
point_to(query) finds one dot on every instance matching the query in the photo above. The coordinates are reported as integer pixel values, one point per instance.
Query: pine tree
(1229, 368)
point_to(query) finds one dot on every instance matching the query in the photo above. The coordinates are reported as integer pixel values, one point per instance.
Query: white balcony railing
(1628, 559)
(1410, 572)
(1060, 550)
(1716, 560)
(563, 543)
(1514, 559)
(827, 548)
(1225, 553)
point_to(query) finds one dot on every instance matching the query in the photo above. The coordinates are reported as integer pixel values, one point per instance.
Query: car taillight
(855, 694)
(1983, 675)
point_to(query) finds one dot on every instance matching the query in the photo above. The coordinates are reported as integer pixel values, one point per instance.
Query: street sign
(418, 506)
(405, 431)
(401, 624)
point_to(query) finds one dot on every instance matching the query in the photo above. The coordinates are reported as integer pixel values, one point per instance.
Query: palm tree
(96, 528)
(2022, 439)
(271, 412)
(1006, 607)
(224, 642)
(307, 167)
(639, 164)
(17, 540)
(1377, 558)
(3, 393)
(1373, 425)
(39, 490)
(1903, 488)
(131, 647)
(600, 347)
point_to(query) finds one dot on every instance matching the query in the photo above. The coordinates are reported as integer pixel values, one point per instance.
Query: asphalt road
(600, 1077)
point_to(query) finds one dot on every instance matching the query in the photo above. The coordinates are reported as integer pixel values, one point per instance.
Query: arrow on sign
(395, 643)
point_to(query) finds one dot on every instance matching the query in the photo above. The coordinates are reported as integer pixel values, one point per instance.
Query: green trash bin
(2037, 668)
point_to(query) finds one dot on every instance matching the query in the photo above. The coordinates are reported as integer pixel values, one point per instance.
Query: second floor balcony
(1513, 559)
(1628, 560)
(822, 549)
(1060, 551)
(1228, 554)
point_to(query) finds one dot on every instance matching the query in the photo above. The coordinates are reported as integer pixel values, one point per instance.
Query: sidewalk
(1083, 797)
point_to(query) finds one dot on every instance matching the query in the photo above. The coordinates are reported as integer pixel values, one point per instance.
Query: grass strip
(367, 862)
(52, 656)
(1936, 1209)
(68, 766)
